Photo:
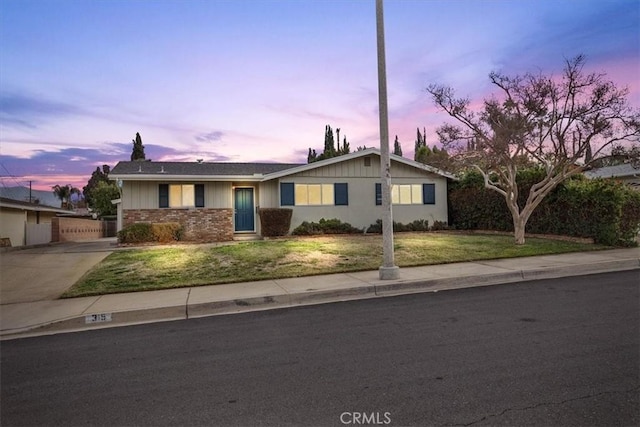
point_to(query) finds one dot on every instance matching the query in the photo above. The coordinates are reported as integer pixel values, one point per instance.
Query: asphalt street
(551, 352)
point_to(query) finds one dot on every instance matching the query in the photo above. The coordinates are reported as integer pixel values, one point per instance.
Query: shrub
(144, 232)
(325, 226)
(439, 225)
(136, 233)
(275, 221)
(166, 232)
(398, 227)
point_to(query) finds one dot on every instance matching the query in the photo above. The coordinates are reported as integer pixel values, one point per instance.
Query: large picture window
(292, 194)
(409, 194)
(181, 195)
(314, 194)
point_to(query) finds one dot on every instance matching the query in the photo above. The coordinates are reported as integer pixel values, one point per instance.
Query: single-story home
(24, 223)
(626, 173)
(220, 201)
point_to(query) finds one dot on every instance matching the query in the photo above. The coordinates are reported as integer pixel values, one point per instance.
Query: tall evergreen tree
(138, 149)
(329, 143)
(312, 156)
(346, 148)
(397, 149)
(330, 149)
(421, 141)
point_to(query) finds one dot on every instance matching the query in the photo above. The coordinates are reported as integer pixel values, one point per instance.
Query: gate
(37, 234)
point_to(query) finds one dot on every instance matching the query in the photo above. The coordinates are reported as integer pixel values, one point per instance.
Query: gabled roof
(206, 171)
(617, 171)
(355, 155)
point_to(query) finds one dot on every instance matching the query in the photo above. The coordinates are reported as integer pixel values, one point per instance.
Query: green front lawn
(195, 265)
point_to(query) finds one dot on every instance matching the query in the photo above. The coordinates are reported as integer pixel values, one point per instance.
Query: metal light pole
(388, 270)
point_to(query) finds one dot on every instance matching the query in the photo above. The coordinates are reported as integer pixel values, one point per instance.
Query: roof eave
(167, 177)
(39, 208)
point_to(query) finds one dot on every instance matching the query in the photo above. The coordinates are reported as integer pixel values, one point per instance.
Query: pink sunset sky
(258, 80)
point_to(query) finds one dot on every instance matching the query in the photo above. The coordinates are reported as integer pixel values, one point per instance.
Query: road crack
(542, 404)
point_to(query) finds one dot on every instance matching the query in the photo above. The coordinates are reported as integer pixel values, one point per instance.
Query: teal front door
(244, 211)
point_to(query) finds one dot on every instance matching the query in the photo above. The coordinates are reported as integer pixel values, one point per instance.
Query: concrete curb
(189, 310)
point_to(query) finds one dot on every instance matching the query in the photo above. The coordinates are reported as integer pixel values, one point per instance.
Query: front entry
(244, 212)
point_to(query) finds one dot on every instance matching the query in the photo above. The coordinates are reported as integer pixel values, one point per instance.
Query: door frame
(253, 208)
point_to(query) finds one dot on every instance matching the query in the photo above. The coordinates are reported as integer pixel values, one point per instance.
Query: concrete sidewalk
(49, 315)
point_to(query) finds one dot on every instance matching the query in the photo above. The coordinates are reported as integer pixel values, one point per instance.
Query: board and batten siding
(144, 194)
(362, 210)
(269, 196)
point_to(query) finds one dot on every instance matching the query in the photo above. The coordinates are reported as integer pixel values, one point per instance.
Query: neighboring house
(625, 173)
(219, 201)
(24, 223)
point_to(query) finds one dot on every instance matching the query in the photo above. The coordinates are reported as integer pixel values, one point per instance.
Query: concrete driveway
(44, 273)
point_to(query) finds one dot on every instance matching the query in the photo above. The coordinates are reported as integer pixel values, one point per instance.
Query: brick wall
(75, 229)
(207, 225)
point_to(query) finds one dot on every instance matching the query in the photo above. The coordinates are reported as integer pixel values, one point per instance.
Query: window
(292, 194)
(367, 162)
(181, 195)
(409, 194)
(314, 194)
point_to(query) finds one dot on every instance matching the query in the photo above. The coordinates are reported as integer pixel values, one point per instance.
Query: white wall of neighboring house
(12, 225)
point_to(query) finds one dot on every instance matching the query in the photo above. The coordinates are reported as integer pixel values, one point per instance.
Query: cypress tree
(138, 149)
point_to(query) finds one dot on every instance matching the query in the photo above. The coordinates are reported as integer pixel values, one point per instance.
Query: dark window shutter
(378, 193)
(287, 194)
(429, 194)
(163, 195)
(199, 190)
(341, 193)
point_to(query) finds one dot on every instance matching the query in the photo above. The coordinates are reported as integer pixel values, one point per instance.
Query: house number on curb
(97, 318)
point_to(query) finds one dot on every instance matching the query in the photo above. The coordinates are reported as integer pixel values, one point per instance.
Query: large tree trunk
(519, 224)
(520, 218)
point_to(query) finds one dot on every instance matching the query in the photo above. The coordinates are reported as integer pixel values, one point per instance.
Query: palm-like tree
(64, 193)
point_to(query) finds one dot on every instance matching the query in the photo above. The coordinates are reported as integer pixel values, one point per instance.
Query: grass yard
(153, 268)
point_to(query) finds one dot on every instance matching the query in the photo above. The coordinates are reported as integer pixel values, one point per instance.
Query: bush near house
(604, 210)
(275, 221)
(145, 232)
(398, 227)
(325, 226)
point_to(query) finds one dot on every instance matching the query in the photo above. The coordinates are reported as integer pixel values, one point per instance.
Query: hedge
(275, 221)
(145, 232)
(325, 226)
(604, 210)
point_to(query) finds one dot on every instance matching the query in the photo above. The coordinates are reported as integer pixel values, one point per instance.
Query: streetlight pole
(388, 270)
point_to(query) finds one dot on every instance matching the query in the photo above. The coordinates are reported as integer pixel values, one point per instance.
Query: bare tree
(562, 124)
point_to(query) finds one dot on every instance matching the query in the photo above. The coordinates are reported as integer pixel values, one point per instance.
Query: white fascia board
(198, 178)
(34, 208)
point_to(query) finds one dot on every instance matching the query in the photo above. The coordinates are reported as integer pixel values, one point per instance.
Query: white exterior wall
(12, 225)
(269, 194)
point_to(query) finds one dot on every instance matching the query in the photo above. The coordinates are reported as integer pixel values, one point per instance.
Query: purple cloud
(210, 136)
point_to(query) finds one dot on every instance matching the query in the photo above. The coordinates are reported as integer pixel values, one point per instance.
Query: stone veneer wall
(210, 225)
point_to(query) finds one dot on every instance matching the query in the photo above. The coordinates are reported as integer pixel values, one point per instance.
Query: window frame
(328, 194)
(165, 196)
